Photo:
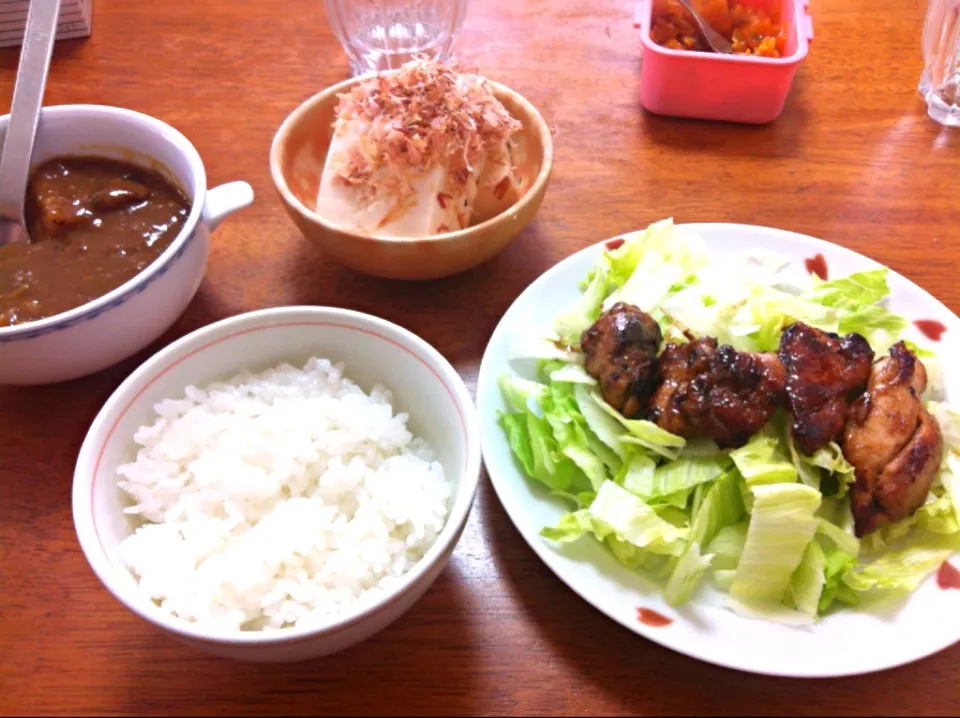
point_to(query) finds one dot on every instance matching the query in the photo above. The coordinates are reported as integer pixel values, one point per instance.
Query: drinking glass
(940, 81)
(381, 35)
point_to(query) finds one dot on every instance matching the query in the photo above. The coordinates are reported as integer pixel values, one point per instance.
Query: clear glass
(381, 35)
(940, 81)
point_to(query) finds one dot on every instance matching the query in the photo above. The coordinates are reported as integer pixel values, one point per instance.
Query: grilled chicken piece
(824, 372)
(621, 353)
(675, 406)
(716, 392)
(894, 445)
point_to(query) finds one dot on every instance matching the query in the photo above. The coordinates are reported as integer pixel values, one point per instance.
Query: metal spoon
(24, 114)
(717, 42)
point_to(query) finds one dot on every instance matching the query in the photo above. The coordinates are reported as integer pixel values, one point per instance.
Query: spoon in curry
(717, 42)
(35, 55)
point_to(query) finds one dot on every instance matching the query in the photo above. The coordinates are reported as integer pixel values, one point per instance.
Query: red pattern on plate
(649, 617)
(931, 328)
(948, 576)
(817, 265)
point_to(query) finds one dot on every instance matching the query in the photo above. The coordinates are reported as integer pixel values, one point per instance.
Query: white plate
(847, 642)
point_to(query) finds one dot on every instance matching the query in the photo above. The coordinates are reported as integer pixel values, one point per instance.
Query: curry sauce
(94, 223)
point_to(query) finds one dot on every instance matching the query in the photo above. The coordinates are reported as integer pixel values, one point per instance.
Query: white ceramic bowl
(124, 321)
(422, 381)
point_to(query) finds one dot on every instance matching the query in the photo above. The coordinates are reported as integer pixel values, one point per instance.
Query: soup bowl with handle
(125, 320)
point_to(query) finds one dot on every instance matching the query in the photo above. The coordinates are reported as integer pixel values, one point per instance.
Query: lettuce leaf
(605, 427)
(618, 513)
(679, 476)
(878, 325)
(768, 311)
(807, 582)
(727, 546)
(636, 475)
(852, 291)
(573, 437)
(572, 323)
(572, 373)
(686, 575)
(635, 522)
(644, 433)
(827, 470)
(721, 507)
(782, 524)
(762, 461)
(843, 540)
(859, 295)
(517, 392)
(662, 243)
(905, 568)
(532, 442)
(837, 565)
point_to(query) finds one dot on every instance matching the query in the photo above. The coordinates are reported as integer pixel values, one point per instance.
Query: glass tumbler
(940, 81)
(381, 35)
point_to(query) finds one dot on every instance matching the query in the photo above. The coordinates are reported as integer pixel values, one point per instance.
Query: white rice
(284, 498)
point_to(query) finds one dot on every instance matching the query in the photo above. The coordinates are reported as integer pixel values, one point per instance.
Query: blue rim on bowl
(139, 282)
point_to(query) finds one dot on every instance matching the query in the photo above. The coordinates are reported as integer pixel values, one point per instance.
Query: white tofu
(498, 187)
(437, 209)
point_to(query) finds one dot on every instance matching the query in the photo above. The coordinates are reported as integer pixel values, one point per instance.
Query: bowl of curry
(94, 223)
(119, 220)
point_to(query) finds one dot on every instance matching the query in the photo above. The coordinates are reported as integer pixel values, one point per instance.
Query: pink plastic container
(708, 86)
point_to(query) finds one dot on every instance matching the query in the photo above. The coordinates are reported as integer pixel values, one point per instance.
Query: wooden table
(853, 159)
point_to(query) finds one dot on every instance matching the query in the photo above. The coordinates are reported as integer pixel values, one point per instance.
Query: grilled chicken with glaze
(621, 353)
(716, 392)
(894, 444)
(824, 373)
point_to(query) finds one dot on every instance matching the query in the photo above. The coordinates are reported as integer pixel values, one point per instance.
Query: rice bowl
(424, 449)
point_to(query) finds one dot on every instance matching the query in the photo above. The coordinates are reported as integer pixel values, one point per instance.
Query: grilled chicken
(894, 445)
(717, 392)
(675, 406)
(621, 353)
(824, 372)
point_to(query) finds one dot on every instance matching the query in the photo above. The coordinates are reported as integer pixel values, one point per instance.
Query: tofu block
(434, 209)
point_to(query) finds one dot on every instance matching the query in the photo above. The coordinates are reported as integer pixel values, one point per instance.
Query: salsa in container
(680, 78)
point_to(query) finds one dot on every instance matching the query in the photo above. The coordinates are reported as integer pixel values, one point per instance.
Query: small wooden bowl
(297, 158)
